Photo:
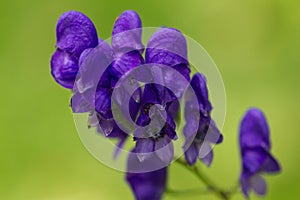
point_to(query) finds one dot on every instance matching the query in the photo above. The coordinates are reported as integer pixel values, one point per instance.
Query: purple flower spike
(75, 32)
(200, 130)
(255, 149)
(127, 33)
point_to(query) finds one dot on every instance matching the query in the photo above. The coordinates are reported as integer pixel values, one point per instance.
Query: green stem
(179, 193)
(210, 185)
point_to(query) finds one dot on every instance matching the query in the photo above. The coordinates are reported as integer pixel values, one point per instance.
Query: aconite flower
(255, 151)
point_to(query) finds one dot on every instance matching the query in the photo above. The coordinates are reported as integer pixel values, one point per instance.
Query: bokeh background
(255, 44)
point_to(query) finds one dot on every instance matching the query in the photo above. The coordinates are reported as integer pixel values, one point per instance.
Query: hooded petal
(149, 185)
(127, 32)
(167, 46)
(254, 130)
(75, 32)
(64, 68)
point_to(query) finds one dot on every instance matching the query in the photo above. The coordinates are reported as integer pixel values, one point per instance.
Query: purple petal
(204, 149)
(119, 147)
(253, 159)
(93, 71)
(144, 147)
(84, 56)
(93, 120)
(126, 62)
(75, 32)
(149, 185)
(106, 126)
(191, 126)
(103, 103)
(126, 103)
(168, 47)
(168, 90)
(270, 165)
(199, 86)
(79, 104)
(207, 160)
(150, 94)
(95, 58)
(191, 154)
(254, 130)
(258, 184)
(164, 149)
(143, 120)
(117, 133)
(64, 68)
(93, 81)
(170, 127)
(127, 32)
(184, 70)
(213, 134)
(246, 186)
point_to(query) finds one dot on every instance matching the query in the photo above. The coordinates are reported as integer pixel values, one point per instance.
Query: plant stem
(186, 192)
(210, 185)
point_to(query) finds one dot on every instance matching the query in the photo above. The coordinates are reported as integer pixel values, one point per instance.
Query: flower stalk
(211, 186)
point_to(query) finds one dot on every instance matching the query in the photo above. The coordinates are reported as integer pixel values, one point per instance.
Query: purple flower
(200, 130)
(75, 32)
(166, 47)
(112, 63)
(255, 150)
(97, 66)
(148, 185)
(145, 185)
(160, 130)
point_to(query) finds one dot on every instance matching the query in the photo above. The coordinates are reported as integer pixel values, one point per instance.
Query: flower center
(147, 108)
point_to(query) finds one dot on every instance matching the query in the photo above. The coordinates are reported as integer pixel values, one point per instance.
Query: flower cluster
(95, 70)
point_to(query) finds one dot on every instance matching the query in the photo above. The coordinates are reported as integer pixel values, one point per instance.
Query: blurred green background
(255, 44)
